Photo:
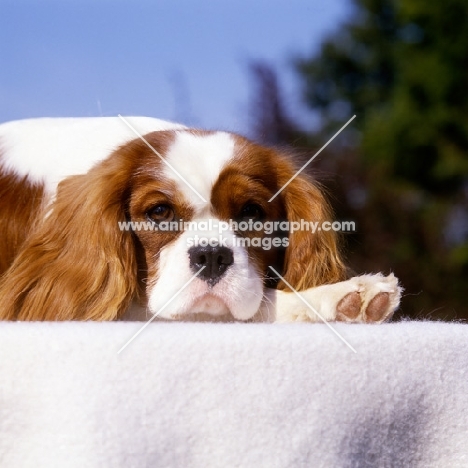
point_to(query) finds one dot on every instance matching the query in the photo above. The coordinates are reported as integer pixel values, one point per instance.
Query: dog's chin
(208, 308)
(211, 305)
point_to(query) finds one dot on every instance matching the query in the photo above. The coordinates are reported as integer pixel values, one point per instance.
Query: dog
(113, 218)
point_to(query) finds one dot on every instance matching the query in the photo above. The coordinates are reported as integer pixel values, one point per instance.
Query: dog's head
(190, 221)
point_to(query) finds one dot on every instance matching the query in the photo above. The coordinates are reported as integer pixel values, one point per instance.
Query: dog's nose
(215, 259)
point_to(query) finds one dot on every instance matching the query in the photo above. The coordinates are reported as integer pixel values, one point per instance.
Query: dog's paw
(362, 299)
(373, 299)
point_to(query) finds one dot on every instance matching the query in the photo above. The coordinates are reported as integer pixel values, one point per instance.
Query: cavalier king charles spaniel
(110, 218)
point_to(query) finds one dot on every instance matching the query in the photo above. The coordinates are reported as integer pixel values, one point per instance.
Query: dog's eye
(161, 213)
(252, 211)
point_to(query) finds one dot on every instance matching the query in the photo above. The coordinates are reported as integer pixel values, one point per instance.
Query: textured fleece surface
(233, 395)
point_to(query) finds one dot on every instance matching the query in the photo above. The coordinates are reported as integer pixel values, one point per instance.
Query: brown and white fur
(65, 184)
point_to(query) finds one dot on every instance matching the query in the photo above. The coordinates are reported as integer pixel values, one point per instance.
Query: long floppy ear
(77, 264)
(311, 258)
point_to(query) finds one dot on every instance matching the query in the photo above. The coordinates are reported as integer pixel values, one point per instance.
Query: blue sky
(182, 60)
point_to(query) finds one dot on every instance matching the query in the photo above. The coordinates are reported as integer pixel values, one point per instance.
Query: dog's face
(208, 185)
(189, 221)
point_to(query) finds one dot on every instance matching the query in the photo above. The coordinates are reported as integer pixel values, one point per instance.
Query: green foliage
(402, 67)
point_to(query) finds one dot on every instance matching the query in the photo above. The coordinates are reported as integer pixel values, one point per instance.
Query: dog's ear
(311, 258)
(77, 264)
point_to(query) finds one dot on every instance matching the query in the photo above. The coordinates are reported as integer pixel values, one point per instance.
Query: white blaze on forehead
(199, 159)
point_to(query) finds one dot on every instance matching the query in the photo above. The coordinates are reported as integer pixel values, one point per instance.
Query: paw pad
(349, 307)
(378, 307)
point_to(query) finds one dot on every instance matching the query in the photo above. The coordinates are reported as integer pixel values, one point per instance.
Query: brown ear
(78, 264)
(311, 259)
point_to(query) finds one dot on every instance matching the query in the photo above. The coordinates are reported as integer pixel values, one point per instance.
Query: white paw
(361, 299)
(369, 299)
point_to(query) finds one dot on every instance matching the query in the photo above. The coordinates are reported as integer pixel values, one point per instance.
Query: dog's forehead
(195, 161)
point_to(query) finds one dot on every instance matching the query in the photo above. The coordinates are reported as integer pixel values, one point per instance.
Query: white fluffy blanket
(233, 395)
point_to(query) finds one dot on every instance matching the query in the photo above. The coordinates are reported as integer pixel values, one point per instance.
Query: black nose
(215, 259)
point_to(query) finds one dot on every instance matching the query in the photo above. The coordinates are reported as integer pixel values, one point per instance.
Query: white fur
(47, 150)
(199, 159)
